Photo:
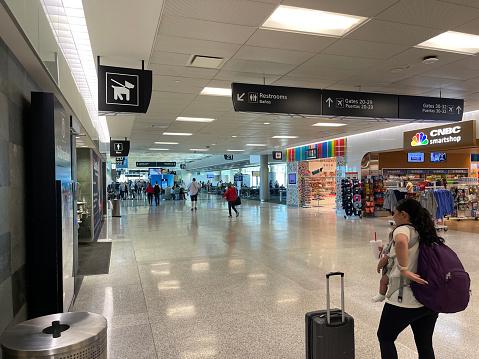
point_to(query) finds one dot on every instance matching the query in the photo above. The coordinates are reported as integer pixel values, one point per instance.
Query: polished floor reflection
(197, 284)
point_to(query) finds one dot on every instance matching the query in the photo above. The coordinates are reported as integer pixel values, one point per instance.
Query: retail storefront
(432, 159)
(313, 173)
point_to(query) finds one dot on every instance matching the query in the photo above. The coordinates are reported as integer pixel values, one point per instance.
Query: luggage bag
(330, 333)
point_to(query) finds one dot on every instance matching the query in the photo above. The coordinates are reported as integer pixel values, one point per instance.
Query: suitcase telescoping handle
(328, 309)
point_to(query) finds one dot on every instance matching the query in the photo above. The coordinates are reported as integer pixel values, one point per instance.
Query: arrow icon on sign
(329, 101)
(458, 108)
(240, 98)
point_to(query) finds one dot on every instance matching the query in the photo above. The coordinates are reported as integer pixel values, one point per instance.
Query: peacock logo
(419, 139)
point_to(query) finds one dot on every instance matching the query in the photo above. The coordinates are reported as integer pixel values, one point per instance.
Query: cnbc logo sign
(438, 136)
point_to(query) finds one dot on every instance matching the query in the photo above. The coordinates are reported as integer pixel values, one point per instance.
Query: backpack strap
(403, 282)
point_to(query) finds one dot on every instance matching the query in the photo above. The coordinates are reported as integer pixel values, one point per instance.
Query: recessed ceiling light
(198, 149)
(255, 144)
(216, 91)
(213, 144)
(166, 143)
(234, 136)
(454, 42)
(194, 119)
(428, 60)
(328, 124)
(266, 123)
(235, 150)
(177, 134)
(289, 18)
(396, 70)
(158, 149)
(284, 137)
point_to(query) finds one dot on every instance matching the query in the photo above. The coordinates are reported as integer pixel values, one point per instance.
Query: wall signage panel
(276, 99)
(312, 154)
(121, 162)
(430, 108)
(278, 155)
(97, 198)
(393, 171)
(464, 171)
(416, 172)
(156, 164)
(228, 157)
(458, 135)
(359, 104)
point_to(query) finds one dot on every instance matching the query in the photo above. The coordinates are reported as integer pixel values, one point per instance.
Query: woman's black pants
(395, 319)
(231, 204)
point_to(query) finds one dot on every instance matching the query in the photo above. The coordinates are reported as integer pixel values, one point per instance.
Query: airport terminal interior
(296, 125)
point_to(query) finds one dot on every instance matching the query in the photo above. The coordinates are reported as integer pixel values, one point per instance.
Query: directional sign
(121, 162)
(119, 148)
(276, 99)
(431, 108)
(228, 157)
(359, 104)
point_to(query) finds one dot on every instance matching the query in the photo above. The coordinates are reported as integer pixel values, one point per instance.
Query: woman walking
(414, 226)
(230, 195)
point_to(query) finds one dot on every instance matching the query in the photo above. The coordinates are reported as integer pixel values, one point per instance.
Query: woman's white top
(408, 301)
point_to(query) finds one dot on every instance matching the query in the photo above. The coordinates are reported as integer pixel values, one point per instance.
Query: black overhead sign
(359, 104)
(156, 164)
(119, 148)
(123, 90)
(430, 108)
(302, 101)
(276, 99)
(228, 157)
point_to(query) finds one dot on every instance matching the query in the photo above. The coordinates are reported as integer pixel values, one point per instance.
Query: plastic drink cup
(375, 246)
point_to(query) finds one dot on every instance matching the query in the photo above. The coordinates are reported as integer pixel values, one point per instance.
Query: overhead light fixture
(67, 20)
(284, 137)
(158, 126)
(453, 42)
(213, 144)
(198, 149)
(235, 150)
(177, 134)
(296, 19)
(216, 91)
(194, 119)
(158, 149)
(255, 144)
(266, 123)
(329, 124)
(166, 143)
(234, 136)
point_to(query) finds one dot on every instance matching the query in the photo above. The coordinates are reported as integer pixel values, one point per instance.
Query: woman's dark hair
(420, 219)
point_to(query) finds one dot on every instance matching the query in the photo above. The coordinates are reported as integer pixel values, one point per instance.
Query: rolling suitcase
(330, 333)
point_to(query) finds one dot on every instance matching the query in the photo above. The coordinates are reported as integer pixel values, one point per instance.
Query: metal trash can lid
(37, 336)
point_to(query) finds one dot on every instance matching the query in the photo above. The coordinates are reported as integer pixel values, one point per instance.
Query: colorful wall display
(325, 149)
(292, 194)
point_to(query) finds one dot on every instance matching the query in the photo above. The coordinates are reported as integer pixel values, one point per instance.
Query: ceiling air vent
(208, 62)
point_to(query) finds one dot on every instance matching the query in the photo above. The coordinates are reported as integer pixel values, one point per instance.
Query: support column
(263, 178)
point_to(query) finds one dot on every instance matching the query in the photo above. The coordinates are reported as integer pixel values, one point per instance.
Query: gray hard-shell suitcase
(330, 333)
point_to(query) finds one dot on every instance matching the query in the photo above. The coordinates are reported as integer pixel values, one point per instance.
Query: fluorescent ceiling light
(177, 134)
(329, 124)
(194, 119)
(255, 144)
(234, 136)
(198, 149)
(454, 42)
(235, 150)
(166, 143)
(158, 149)
(289, 18)
(284, 137)
(216, 91)
(266, 123)
(68, 24)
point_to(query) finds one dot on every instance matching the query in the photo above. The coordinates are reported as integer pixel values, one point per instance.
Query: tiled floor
(186, 284)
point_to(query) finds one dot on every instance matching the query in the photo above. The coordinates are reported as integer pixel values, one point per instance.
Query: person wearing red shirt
(230, 195)
(149, 191)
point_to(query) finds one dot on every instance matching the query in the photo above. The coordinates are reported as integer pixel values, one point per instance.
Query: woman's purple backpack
(449, 284)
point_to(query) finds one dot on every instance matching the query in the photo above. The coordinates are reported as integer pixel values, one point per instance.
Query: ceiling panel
(365, 49)
(452, 72)
(272, 55)
(289, 40)
(472, 3)
(205, 30)
(182, 71)
(472, 27)
(393, 33)
(261, 67)
(248, 77)
(240, 12)
(307, 82)
(429, 13)
(195, 46)
(321, 73)
(325, 61)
